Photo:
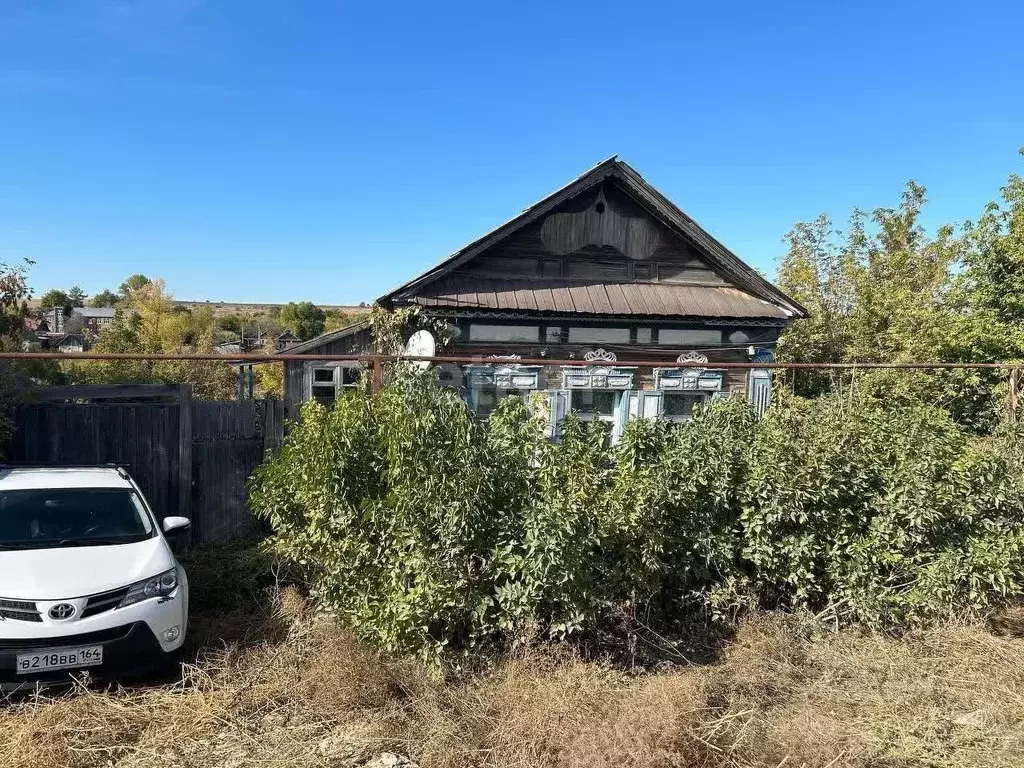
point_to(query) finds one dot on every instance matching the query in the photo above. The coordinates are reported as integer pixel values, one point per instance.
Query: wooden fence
(188, 456)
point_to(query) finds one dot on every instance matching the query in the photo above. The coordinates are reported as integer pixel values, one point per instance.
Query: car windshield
(72, 517)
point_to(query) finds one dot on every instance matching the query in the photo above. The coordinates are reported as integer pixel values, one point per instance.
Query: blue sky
(318, 149)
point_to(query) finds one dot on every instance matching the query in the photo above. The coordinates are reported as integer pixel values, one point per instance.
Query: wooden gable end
(605, 244)
(600, 236)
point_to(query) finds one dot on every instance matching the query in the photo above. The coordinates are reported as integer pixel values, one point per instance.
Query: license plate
(49, 659)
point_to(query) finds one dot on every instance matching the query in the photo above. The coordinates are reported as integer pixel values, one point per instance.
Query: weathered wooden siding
(229, 441)
(562, 239)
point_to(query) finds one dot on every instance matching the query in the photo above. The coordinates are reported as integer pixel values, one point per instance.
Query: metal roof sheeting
(460, 291)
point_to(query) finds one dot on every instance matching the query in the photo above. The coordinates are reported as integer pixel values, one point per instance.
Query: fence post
(185, 451)
(1015, 387)
(375, 377)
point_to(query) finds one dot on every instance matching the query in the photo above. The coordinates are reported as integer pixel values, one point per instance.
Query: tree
(887, 291)
(992, 278)
(76, 296)
(17, 376)
(55, 298)
(133, 283)
(148, 321)
(14, 292)
(104, 298)
(304, 319)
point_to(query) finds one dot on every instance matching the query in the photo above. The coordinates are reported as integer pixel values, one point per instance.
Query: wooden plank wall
(229, 440)
(196, 463)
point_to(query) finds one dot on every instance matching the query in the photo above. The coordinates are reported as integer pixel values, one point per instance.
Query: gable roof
(753, 292)
(325, 338)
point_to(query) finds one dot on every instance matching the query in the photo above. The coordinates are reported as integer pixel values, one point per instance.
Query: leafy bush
(434, 533)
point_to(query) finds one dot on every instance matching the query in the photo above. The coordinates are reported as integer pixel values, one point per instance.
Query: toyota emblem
(62, 611)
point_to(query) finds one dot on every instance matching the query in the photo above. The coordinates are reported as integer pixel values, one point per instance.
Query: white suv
(88, 581)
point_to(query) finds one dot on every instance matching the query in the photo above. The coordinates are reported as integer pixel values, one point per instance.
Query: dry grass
(785, 693)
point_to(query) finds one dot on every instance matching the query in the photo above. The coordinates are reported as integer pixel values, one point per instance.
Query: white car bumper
(134, 638)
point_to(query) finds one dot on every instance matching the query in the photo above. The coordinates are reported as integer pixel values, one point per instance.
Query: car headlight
(157, 586)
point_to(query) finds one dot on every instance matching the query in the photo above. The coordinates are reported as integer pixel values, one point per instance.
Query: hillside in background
(245, 308)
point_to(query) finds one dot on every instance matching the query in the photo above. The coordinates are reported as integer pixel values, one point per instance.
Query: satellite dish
(421, 344)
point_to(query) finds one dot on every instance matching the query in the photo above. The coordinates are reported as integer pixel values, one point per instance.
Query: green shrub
(891, 515)
(434, 533)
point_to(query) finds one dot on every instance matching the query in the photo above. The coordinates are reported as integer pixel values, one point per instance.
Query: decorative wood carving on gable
(600, 225)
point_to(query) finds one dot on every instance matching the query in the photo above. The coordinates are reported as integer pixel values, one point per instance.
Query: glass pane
(643, 335)
(598, 335)
(553, 334)
(324, 395)
(593, 402)
(487, 399)
(739, 337)
(349, 377)
(478, 332)
(681, 403)
(38, 519)
(683, 336)
(323, 375)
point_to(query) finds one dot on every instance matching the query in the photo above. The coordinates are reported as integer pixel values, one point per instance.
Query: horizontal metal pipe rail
(375, 359)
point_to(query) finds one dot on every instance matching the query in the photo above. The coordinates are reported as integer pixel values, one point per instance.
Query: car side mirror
(175, 525)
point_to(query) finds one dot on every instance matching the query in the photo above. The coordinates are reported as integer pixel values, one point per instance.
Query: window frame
(610, 418)
(466, 333)
(700, 397)
(500, 394)
(335, 385)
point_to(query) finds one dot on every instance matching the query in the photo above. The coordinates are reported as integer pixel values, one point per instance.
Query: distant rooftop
(94, 311)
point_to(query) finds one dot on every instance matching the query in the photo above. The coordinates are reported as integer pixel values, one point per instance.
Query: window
(594, 404)
(644, 272)
(74, 517)
(553, 334)
(486, 399)
(680, 405)
(689, 336)
(643, 336)
(586, 335)
(328, 379)
(739, 337)
(479, 332)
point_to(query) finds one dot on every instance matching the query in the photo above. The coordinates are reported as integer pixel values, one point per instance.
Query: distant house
(69, 342)
(94, 319)
(285, 341)
(606, 270)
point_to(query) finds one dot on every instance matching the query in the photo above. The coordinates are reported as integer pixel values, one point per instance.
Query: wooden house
(605, 270)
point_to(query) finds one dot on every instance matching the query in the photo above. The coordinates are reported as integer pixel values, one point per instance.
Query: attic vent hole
(599, 207)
